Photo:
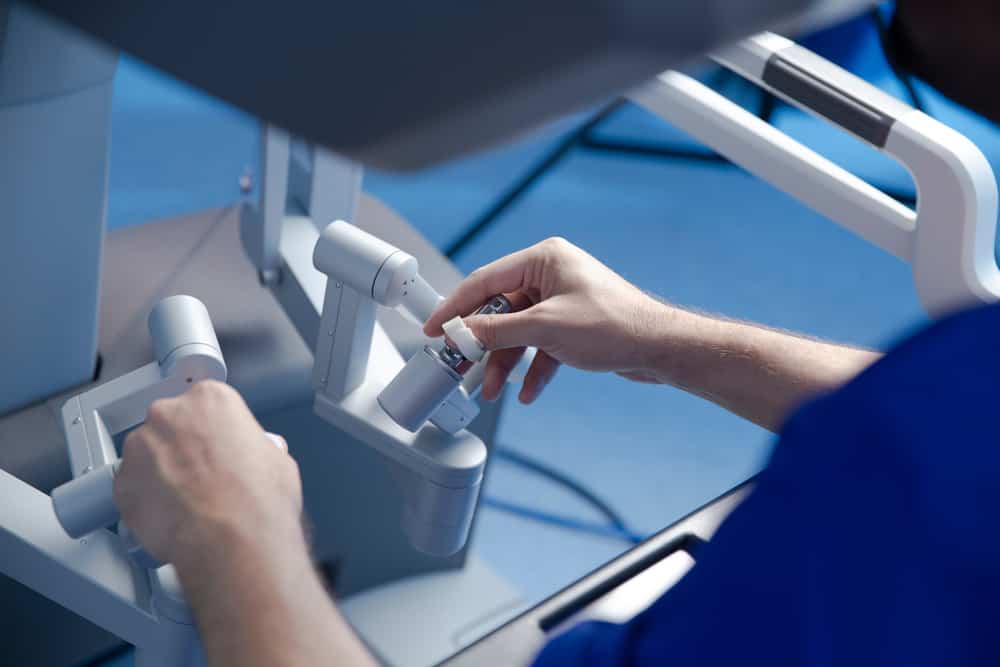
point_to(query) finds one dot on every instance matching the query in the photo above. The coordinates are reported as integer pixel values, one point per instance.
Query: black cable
(562, 479)
(113, 653)
(768, 105)
(901, 75)
(659, 151)
(548, 161)
(560, 521)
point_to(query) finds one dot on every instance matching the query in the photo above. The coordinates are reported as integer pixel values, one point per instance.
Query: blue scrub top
(872, 537)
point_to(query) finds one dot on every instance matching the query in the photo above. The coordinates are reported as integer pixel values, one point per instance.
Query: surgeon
(871, 536)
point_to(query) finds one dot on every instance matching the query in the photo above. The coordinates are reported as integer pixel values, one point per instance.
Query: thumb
(497, 332)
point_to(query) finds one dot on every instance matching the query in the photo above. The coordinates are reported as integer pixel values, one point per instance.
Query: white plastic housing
(457, 412)
(420, 299)
(392, 283)
(184, 340)
(420, 388)
(364, 263)
(437, 518)
(87, 503)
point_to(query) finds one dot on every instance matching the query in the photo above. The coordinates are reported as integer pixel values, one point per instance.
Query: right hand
(570, 306)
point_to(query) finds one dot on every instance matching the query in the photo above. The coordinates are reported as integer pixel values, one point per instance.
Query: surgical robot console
(335, 281)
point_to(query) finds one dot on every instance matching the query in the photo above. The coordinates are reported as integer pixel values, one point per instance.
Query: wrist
(212, 554)
(675, 349)
(653, 321)
(258, 600)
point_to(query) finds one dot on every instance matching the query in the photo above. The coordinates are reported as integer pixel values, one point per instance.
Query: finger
(277, 441)
(498, 332)
(507, 274)
(541, 372)
(133, 442)
(135, 454)
(498, 369)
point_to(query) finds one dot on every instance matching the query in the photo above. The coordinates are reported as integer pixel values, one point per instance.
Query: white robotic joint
(429, 380)
(87, 503)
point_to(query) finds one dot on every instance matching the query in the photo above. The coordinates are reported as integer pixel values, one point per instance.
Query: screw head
(246, 181)
(76, 420)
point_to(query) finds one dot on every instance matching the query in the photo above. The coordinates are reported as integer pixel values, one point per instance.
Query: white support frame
(102, 576)
(948, 240)
(439, 473)
(95, 578)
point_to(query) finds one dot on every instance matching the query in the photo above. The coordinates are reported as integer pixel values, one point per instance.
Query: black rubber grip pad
(828, 100)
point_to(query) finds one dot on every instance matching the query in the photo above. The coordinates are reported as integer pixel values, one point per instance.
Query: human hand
(569, 305)
(200, 470)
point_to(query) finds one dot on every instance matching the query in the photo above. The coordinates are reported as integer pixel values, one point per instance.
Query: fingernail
(277, 441)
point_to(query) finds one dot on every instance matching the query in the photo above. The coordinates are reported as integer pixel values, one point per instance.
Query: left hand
(202, 469)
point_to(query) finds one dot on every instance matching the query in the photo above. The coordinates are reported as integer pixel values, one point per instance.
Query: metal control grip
(187, 351)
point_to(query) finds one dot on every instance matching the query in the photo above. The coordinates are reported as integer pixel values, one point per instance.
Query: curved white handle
(949, 240)
(770, 154)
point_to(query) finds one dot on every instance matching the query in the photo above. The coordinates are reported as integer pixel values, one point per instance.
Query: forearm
(758, 373)
(257, 606)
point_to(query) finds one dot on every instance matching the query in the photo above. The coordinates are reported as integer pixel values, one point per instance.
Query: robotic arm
(330, 278)
(186, 352)
(363, 388)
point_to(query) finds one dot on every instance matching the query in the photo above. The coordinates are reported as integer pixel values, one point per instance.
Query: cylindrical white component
(351, 256)
(464, 339)
(420, 300)
(87, 503)
(394, 278)
(184, 341)
(456, 413)
(178, 321)
(437, 518)
(418, 390)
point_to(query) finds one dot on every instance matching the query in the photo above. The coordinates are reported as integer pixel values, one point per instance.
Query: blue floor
(702, 235)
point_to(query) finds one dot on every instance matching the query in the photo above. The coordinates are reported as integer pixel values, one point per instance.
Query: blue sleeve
(870, 537)
(590, 643)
